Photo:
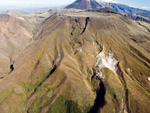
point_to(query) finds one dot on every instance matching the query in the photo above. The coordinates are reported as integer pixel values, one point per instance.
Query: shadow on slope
(100, 99)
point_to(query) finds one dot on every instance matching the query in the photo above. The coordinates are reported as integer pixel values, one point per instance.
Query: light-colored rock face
(61, 65)
(106, 61)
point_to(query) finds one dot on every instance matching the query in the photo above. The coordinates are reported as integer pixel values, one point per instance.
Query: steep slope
(138, 17)
(80, 62)
(84, 4)
(16, 33)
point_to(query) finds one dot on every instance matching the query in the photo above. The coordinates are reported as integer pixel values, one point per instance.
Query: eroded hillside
(17, 31)
(80, 62)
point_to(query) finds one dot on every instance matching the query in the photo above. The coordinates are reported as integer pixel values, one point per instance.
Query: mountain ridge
(81, 61)
(133, 13)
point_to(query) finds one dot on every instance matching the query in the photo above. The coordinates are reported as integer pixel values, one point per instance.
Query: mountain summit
(110, 1)
(84, 4)
(130, 12)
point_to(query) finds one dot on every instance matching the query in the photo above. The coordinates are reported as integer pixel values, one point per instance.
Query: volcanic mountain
(74, 61)
(121, 8)
(130, 12)
(84, 4)
(133, 13)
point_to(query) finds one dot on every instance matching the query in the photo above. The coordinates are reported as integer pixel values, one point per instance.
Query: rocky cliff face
(81, 62)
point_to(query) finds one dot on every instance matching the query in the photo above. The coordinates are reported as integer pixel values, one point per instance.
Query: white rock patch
(129, 70)
(80, 50)
(149, 79)
(21, 18)
(100, 74)
(104, 61)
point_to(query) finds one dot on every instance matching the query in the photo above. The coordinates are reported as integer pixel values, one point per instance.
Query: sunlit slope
(16, 33)
(81, 61)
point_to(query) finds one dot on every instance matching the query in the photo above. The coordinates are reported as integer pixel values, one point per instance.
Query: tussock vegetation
(57, 72)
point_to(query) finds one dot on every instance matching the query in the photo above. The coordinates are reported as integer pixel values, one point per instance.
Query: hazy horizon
(28, 8)
(144, 4)
(33, 4)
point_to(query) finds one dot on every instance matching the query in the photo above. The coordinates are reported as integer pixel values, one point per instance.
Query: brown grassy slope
(16, 33)
(61, 61)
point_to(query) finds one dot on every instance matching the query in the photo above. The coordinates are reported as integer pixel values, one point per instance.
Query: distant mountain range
(121, 8)
(130, 12)
(28, 9)
(133, 13)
